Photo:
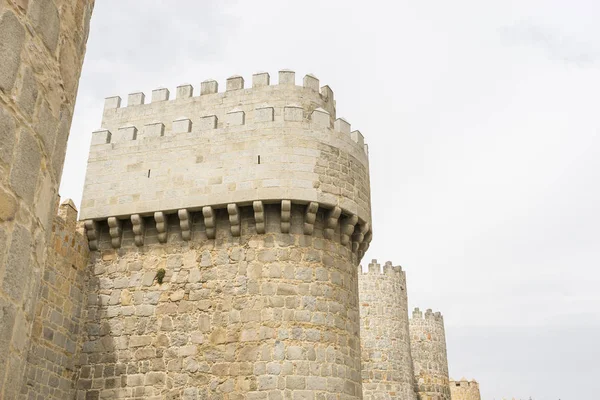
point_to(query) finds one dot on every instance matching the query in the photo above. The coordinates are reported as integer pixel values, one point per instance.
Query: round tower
(430, 361)
(387, 370)
(464, 389)
(227, 227)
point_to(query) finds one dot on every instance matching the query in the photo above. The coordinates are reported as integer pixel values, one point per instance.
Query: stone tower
(226, 229)
(42, 45)
(387, 369)
(464, 390)
(430, 361)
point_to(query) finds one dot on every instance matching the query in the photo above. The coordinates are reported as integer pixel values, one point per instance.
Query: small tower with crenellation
(387, 370)
(428, 350)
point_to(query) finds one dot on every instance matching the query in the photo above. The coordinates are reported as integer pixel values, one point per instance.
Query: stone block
(8, 135)
(182, 125)
(101, 137)
(261, 79)
(321, 118)
(293, 112)
(264, 113)
(287, 77)
(46, 126)
(18, 266)
(125, 134)
(234, 83)
(160, 94)
(342, 126)
(358, 138)
(112, 102)
(136, 99)
(155, 129)
(236, 117)
(44, 17)
(327, 93)
(29, 92)
(208, 122)
(26, 167)
(209, 87)
(13, 37)
(184, 91)
(311, 82)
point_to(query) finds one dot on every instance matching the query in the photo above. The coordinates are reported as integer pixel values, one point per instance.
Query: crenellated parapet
(428, 350)
(228, 150)
(387, 370)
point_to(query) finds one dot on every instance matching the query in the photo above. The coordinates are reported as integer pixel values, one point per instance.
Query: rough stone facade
(56, 337)
(430, 360)
(387, 370)
(464, 390)
(259, 316)
(42, 43)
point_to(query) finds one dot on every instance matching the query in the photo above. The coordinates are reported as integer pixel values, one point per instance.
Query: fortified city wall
(387, 370)
(56, 337)
(464, 390)
(428, 350)
(259, 298)
(42, 44)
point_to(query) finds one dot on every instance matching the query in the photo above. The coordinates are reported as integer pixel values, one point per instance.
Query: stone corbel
(185, 224)
(332, 221)
(286, 215)
(209, 221)
(139, 229)
(91, 230)
(259, 216)
(161, 226)
(309, 217)
(348, 229)
(234, 219)
(115, 231)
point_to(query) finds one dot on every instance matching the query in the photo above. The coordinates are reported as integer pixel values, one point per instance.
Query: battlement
(211, 109)
(463, 382)
(222, 150)
(417, 314)
(374, 268)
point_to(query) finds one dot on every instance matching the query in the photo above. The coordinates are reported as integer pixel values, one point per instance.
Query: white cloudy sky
(482, 121)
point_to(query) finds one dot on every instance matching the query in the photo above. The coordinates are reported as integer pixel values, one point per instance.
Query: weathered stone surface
(28, 93)
(7, 136)
(8, 206)
(13, 37)
(45, 20)
(25, 167)
(18, 267)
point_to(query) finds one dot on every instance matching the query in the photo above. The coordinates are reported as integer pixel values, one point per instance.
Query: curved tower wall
(387, 371)
(464, 390)
(260, 294)
(430, 361)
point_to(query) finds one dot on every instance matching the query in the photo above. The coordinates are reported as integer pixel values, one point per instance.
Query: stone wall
(430, 360)
(260, 316)
(56, 337)
(387, 370)
(41, 52)
(464, 390)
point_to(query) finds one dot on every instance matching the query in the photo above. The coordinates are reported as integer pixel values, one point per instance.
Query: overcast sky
(482, 121)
